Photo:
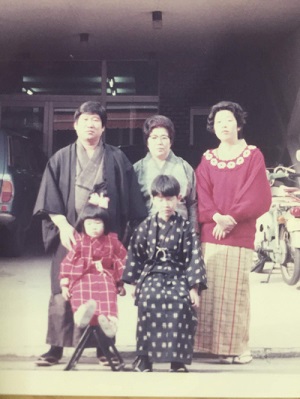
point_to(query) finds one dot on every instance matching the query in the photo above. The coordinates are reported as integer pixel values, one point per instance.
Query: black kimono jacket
(57, 196)
(180, 253)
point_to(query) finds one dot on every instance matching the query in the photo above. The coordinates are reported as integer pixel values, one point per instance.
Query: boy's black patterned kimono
(165, 262)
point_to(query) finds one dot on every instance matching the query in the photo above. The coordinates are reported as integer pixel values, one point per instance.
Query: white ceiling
(44, 29)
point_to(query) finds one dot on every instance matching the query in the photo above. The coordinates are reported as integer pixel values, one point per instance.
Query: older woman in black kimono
(165, 262)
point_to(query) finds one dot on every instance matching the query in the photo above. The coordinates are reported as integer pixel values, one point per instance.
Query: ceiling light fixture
(111, 82)
(28, 91)
(157, 19)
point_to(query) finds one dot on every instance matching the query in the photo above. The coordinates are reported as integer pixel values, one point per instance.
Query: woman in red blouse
(233, 191)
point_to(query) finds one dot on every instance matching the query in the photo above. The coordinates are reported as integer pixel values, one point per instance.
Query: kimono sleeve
(49, 199)
(206, 206)
(136, 255)
(132, 203)
(195, 267)
(119, 258)
(191, 198)
(72, 265)
(255, 197)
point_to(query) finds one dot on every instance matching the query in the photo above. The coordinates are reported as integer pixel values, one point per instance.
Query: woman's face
(225, 126)
(159, 143)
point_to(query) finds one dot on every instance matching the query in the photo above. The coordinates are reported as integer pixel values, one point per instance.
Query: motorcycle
(277, 237)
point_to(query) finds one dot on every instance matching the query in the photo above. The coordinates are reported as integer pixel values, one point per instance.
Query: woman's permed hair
(158, 121)
(94, 212)
(92, 107)
(165, 185)
(236, 109)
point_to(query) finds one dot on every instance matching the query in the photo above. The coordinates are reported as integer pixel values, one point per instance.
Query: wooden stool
(103, 342)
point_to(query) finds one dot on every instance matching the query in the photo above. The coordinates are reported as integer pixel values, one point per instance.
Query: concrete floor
(24, 294)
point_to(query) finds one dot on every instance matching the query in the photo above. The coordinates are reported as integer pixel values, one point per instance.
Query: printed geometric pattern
(165, 262)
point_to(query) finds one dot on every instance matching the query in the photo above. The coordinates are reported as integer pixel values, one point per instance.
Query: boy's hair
(94, 212)
(165, 185)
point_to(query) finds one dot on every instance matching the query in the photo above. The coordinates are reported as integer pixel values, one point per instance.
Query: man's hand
(66, 233)
(194, 297)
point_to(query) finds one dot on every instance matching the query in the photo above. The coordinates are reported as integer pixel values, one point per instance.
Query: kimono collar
(170, 158)
(162, 222)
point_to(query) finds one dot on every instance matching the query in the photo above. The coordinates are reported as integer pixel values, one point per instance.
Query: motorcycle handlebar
(281, 174)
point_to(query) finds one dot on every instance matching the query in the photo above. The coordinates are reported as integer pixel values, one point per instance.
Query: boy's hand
(121, 291)
(194, 297)
(65, 293)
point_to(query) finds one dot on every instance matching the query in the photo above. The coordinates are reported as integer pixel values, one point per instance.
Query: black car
(22, 163)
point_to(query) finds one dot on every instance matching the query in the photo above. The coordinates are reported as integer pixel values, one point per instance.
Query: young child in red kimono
(90, 274)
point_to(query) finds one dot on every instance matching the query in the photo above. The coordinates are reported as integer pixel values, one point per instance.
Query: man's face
(89, 128)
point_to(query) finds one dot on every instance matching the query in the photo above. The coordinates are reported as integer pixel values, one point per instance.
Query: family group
(183, 238)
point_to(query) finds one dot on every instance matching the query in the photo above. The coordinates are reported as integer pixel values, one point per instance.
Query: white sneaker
(84, 313)
(109, 325)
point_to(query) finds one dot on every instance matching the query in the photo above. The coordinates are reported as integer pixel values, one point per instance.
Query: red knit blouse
(239, 188)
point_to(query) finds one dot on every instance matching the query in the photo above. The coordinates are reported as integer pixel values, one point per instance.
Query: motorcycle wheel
(290, 269)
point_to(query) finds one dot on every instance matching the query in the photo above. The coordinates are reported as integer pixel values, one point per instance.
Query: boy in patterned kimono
(165, 263)
(90, 274)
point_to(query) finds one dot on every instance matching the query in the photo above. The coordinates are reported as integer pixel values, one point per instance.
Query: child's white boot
(84, 313)
(109, 325)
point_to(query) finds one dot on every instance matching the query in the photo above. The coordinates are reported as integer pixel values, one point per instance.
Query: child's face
(94, 227)
(166, 206)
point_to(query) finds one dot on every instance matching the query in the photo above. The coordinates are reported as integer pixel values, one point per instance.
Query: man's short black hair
(92, 107)
(94, 212)
(165, 185)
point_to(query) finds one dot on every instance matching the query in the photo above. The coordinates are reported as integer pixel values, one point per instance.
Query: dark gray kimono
(57, 196)
(164, 261)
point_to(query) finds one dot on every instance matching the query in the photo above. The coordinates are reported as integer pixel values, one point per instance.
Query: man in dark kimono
(73, 176)
(164, 261)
